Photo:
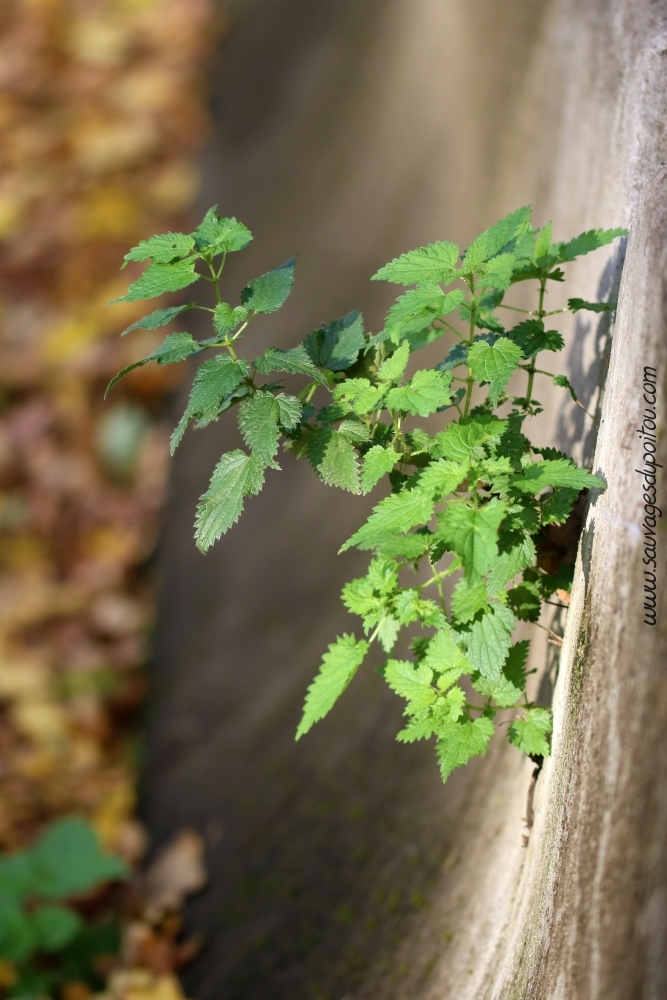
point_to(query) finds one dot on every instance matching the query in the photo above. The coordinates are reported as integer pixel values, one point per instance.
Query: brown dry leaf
(141, 984)
(177, 871)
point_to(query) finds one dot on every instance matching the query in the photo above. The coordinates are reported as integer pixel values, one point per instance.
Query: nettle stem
(471, 339)
(532, 369)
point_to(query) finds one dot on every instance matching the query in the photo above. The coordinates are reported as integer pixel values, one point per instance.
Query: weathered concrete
(352, 132)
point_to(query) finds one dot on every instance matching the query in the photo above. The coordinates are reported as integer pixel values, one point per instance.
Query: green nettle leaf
(160, 278)
(543, 242)
(226, 319)
(490, 640)
(564, 383)
(290, 409)
(334, 459)
(267, 293)
(428, 391)
(395, 514)
(159, 317)
(294, 362)
(509, 563)
(494, 364)
(221, 235)
(532, 338)
(442, 477)
(236, 476)
(525, 602)
(530, 733)
(391, 370)
(467, 601)
(473, 534)
(509, 233)
(417, 309)
(174, 348)
(554, 472)
(354, 431)
(511, 685)
(55, 927)
(412, 683)
(161, 249)
(461, 439)
(336, 345)
(425, 266)
(67, 859)
(498, 272)
(339, 666)
(574, 305)
(585, 242)
(378, 461)
(460, 740)
(258, 423)
(557, 506)
(445, 658)
(213, 381)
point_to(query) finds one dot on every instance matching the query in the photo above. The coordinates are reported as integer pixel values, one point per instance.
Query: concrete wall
(341, 867)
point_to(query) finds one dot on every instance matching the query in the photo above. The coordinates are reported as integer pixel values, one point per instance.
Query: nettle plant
(471, 499)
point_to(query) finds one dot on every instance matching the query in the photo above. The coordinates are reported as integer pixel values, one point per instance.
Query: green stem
(471, 339)
(533, 369)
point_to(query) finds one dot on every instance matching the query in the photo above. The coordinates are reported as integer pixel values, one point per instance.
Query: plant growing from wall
(472, 499)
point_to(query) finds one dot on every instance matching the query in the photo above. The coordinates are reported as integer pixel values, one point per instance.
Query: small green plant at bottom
(472, 499)
(44, 941)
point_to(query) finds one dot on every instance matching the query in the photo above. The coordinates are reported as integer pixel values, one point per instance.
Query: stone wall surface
(340, 867)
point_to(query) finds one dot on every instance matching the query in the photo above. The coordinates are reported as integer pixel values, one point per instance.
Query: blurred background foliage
(102, 113)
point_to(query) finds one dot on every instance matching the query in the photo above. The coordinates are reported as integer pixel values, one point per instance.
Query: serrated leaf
(174, 348)
(554, 472)
(525, 602)
(467, 601)
(159, 317)
(543, 242)
(214, 233)
(354, 431)
(391, 370)
(68, 859)
(336, 345)
(428, 391)
(267, 293)
(509, 563)
(236, 476)
(214, 380)
(574, 305)
(532, 338)
(425, 266)
(445, 658)
(512, 683)
(586, 242)
(290, 409)
(461, 740)
(412, 683)
(442, 477)
(294, 362)
(226, 319)
(557, 507)
(339, 666)
(359, 395)
(388, 630)
(395, 514)
(416, 310)
(490, 640)
(410, 547)
(498, 272)
(459, 441)
(504, 234)
(530, 733)
(161, 249)
(334, 459)
(378, 461)
(564, 383)
(258, 423)
(160, 278)
(473, 534)
(494, 364)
